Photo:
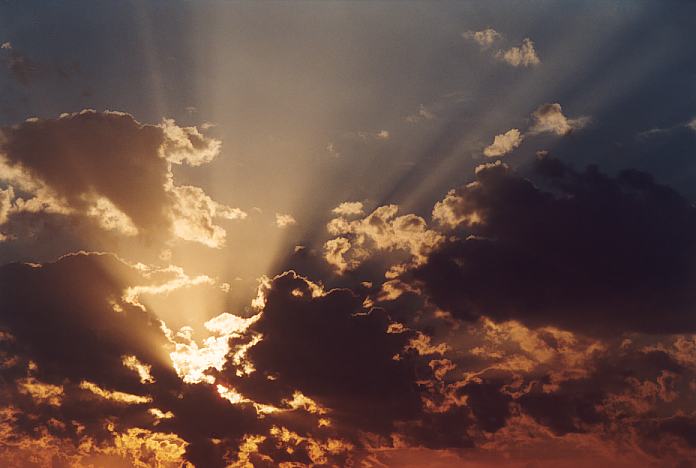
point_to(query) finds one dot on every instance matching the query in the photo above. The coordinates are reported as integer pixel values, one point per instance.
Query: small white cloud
(504, 143)
(6, 46)
(484, 38)
(549, 118)
(348, 209)
(284, 220)
(382, 135)
(524, 56)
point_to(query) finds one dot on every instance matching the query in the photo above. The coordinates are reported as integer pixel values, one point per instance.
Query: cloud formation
(356, 240)
(617, 249)
(484, 38)
(504, 143)
(549, 118)
(108, 167)
(523, 56)
(284, 220)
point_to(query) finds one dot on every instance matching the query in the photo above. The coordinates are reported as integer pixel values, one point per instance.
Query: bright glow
(143, 370)
(120, 397)
(191, 361)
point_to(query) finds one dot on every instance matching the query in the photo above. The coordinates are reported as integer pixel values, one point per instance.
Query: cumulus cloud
(522, 56)
(324, 372)
(484, 38)
(504, 143)
(595, 246)
(382, 230)
(341, 359)
(347, 209)
(284, 220)
(549, 118)
(111, 168)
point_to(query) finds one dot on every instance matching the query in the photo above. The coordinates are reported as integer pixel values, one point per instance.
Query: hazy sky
(501, 192)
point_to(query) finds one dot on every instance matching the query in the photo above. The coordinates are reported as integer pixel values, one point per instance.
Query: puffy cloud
(550, 118)
(284, 220)
(187, 145)
(484, 38)
(596, 254)
(347, 209)
(522, 56)
(108, 167)
(194, 214)
(547, 118)
(381, 230)
(504, 143)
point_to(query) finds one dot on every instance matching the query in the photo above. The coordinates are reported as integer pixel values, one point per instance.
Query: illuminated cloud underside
(447, 259)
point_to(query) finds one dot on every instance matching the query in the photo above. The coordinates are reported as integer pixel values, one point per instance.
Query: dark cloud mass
(109, 154)
(65, 332)
(108, 169)
(581, 251)
(540, 314)
(334, 351)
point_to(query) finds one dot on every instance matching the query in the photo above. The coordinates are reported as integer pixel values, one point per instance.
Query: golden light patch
(143, 370)
(120, 397)
(41, 392)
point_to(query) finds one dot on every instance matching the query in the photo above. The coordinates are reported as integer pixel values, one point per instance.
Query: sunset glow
(348, 234)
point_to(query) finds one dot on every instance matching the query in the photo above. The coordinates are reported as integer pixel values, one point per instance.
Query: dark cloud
(111, 169)
(66, 327)
(335, 352)
(57, 311)
(584, 251)
(109, 154)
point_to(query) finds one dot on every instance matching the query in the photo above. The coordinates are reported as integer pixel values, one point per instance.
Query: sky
(370, 234)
